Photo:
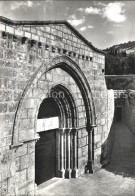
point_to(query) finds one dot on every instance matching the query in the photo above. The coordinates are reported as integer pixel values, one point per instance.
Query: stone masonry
(35, 57)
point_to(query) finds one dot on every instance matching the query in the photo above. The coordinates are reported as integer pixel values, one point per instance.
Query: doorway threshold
(49, 183)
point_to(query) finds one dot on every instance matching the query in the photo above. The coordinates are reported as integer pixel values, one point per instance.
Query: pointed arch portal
(44, 99)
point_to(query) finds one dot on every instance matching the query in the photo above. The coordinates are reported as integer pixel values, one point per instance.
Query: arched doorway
(45, 149)
(56, 150)
(76, 111)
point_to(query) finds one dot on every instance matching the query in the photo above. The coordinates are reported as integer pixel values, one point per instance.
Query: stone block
(84, 132)
(19, 32)
(79, 152)
(22, 191)
(30, 103)
(49, 76)
(97, 138)
(40, 33)
(31, 193)
(82, 122)
(8, 140)
(4, 187)
(79, 133)
(102, 121)
(33, 30)
(99, 129)
(26, 124)
(78, 101)
(80, 108)
(11, 169)
(22, 150)
(21, 57)
(37, 93)
(82, 142)
(6, 130)
(23, 176)
(31, 159)
(11, 156)
(11, 84)
(17, 95)
(81, 115)
(27, 134)
(7, 118)
(24, 162)
(12, 185)
(31, 147)
(3, 107)
(104, 128)
(31, 173)
(17, 164)
(31, 113)
(12, 106)
(10, 29)
(35, 37)
(20, 84)
(2, 27)
(98, 144)
(95, 130)
(85, 151)
(42, 39)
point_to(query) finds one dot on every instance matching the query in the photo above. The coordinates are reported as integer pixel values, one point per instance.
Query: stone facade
(37, 59)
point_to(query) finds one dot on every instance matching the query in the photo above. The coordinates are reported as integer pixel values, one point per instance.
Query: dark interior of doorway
(45, 157)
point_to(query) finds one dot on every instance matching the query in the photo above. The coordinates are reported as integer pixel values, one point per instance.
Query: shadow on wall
(106, 148)
(118, 150)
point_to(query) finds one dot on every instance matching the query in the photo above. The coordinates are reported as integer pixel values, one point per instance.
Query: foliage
(119, 63)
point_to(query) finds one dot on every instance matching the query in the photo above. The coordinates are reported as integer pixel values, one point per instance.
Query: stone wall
(124, 94)
(129, 112)
(120, 82)
(23, 50)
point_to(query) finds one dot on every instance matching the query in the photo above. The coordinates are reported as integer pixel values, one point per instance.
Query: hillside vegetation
(118, 62)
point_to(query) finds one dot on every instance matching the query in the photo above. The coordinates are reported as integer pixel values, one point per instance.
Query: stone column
(75, 170)
(89, 167)
(68, 169)
(62, 170)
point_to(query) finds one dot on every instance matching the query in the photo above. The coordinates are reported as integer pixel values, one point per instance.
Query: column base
(89, 167)
(68, 173)
(75, 173)
(61, 173)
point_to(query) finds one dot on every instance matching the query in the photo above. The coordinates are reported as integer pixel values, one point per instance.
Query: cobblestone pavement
(117, 179)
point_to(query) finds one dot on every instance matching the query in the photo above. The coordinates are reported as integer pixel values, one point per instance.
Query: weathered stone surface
(27, 79)
(22, 150)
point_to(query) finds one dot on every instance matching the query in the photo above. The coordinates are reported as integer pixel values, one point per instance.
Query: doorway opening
(45, 157)
(56, 150)
(45, 149)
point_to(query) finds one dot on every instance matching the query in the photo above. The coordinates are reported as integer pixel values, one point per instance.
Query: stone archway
(59, 74)
(66, 64)
(58, 105)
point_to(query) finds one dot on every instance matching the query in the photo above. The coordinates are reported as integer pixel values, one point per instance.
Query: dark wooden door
(45, 157)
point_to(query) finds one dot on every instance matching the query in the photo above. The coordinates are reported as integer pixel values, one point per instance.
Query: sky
(103, 23)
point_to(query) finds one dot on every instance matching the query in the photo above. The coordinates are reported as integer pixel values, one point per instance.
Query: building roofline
(32, 22)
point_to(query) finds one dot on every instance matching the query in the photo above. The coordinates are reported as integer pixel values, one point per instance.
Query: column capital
(62, 130)
(92, 126)
(68, 130)
(74, 130)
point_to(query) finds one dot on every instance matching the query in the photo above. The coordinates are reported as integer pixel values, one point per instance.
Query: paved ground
(117, 179)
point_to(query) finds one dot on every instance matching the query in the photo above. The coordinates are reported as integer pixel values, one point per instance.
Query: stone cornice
(16, 23)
